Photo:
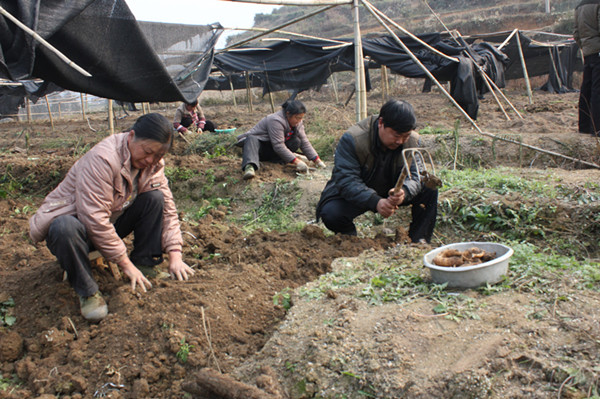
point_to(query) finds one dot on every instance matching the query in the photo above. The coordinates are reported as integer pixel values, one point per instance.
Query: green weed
(175, 174)
(283, 298)
(9, 383)
(6, 310)
(184, 351)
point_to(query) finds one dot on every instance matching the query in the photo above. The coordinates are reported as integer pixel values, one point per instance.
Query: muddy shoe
(93, 308)
(249, 172)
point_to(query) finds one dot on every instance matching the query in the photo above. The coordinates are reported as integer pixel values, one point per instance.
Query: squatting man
(368, 161)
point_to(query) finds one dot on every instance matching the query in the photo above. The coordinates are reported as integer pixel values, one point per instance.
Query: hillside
(468, 17)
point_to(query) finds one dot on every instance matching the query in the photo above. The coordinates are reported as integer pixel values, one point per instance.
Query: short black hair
(398, 115)
(154, 127)
(294, 107)
(193, 103)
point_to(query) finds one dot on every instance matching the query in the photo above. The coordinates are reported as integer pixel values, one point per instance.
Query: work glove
(202, 123)
(318, 163)
(181, 129)
(301, 167)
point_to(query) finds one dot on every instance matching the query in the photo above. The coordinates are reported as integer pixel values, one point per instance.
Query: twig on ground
(208, 339)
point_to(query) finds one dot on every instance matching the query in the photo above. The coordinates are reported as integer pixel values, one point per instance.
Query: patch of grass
(205, 207)
(175, 174)
(212, 145)
(274, 209)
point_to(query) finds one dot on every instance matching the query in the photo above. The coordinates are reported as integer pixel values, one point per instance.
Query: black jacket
(364, 171)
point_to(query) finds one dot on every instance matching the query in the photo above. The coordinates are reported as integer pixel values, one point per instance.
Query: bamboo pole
(335, 90)
(82, 107)
(248, 91)
(45, 43)
(505, 42)
(49, 112)
(232, 91)
(385, 87)
(28, 107)
(293, 21)
(525, 74)
(359, 68)
(285, 32)
(111, 121)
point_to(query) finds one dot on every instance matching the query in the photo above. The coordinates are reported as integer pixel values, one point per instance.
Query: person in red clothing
(191, 114)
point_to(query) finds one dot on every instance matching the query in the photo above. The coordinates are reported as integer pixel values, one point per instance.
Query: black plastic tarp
(128, 61)
(285, 65)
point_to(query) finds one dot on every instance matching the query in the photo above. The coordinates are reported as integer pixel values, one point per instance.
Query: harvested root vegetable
(468, 257)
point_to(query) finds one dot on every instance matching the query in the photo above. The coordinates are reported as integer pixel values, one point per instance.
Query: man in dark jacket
(587, 36)
(368, 162)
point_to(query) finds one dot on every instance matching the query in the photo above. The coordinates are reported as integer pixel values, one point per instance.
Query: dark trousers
(589, 96)
(256, 150)
(338, 215)
(68, 240)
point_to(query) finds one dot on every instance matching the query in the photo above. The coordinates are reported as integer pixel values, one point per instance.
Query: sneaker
(93, 308)
(249, 172)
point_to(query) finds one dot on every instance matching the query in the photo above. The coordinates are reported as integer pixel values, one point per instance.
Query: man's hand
(178, 269)
(396, 198)
(387, 206)
(134, 274)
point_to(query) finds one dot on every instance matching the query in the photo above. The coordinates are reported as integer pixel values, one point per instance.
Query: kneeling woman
(276, 138)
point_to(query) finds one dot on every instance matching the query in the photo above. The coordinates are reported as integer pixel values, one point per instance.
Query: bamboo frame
(291, 34)
(488, 81)
(45, 43)
(293, 21)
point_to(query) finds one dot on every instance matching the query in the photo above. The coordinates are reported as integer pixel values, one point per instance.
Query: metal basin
(470, 276)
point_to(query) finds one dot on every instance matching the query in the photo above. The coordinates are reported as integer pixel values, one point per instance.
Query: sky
(199, 12)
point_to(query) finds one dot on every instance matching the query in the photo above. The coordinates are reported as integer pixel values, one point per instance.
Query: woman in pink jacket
(116, 188)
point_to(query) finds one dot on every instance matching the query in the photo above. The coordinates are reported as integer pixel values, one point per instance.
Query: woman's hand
(134, 274)
(178, 269)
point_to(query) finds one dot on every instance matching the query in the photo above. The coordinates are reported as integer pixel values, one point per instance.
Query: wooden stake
(335, 90)
(525, 74)
(82, 107)
(248, 91)
(49, 112)
(28, 107)
(111, 121)
(232, 91)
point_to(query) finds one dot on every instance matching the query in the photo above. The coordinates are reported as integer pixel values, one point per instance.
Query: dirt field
(332, 343)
